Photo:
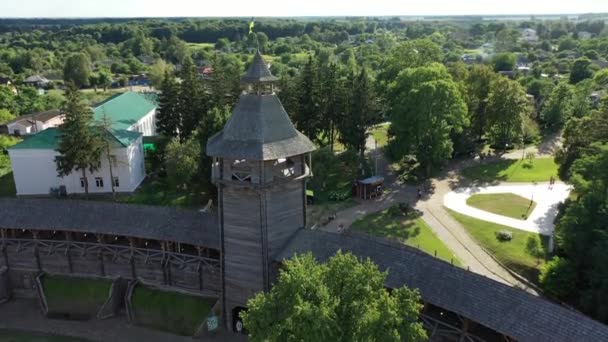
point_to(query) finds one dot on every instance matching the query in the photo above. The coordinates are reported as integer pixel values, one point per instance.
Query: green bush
(504, 235)
(558, 278)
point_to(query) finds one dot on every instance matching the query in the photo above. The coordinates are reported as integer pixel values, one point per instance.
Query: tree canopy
(343, 299)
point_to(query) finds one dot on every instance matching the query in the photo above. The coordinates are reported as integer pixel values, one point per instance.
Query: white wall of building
(146, 125)
(34, 171)
(31, 129)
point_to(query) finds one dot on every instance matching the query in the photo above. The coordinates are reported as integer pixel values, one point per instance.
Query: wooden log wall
(26, 258)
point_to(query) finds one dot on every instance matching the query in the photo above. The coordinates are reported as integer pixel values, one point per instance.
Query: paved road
(539, 221)
(449, 231)
(24, 314)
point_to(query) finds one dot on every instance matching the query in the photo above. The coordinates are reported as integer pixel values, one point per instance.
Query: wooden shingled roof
(507, 310)
(258, 71)
(131, 220)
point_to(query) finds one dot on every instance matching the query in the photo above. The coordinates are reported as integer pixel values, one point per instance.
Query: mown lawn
(170, 311)
(10, 335)
(76, 296)
(512, 254)
(319, 213)
(505, 204)
(410, 230)
(539, 170)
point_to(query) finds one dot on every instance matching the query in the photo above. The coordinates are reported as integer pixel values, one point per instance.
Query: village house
(529, 35)
(131, 116)
(37, 81)
(33, 123)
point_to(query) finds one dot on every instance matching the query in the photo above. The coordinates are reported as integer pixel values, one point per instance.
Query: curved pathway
(448, 230)
(539, 221)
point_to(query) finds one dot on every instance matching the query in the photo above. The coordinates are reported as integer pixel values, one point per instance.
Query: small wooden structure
(370, 187)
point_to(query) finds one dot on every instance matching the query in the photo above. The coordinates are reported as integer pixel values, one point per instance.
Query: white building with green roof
(132, 116)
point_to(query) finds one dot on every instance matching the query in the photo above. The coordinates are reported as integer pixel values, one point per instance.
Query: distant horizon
(129, 9)
(321, 16)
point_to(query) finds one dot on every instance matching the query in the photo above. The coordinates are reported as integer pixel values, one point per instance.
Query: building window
(116, 182)
(83, 182)
(99, 182)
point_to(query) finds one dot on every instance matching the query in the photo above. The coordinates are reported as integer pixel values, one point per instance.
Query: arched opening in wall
(237, 321)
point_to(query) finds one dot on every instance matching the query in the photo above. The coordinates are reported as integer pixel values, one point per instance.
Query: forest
(449, 88)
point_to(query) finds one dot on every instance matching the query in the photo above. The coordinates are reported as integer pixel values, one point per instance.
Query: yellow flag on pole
(251, 24)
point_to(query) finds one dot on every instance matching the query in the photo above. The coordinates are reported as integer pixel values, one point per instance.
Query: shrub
(558, 277)
(504, 235)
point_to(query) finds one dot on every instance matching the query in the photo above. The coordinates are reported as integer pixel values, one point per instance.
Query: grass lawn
(75, 296)
(540, 170)
(512, 253)
(10, 335)
(505, 204)
(201, 45)
(380, 134)
(170, 311)
(154, 192)
(412, 231)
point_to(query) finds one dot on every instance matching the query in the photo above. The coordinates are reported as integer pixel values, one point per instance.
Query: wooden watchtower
(260, 167)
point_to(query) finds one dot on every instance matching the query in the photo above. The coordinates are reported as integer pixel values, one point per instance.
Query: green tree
(410, 54)
(168, 118)
(478, 89)
(507, 104)
(79, 146)
(533, 244)
(192, 103)
(425, 108)
(503, 61)
(362, 113)
(104, 79)
(558, 278)
(333, 103)
(77, 70)
(157, 72)
(5, 116)
(343, 299)
(222, 44)
(28, 101)
(579, 134)
(8, 101)
(181, 161)
(558, 107)
(580, 70)
(307, 115)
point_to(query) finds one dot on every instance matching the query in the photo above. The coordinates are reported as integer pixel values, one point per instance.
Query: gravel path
(539, 221)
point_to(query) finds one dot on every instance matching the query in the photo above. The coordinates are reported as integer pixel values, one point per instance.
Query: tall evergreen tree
(362, 112)
(80, 148)
(192, 104)
(307, 115)
(168, 118)
(332, 103)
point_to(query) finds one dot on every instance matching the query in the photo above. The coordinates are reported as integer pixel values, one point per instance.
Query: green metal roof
(125, 109)
(49, 138)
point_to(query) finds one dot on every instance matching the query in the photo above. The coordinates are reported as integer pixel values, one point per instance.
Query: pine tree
(168, 118)
(79, 147)
(333, 104)
(362, 112)
(192, 100)
(307, 115)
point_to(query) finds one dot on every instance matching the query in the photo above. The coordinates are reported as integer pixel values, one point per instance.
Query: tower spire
(258, 71)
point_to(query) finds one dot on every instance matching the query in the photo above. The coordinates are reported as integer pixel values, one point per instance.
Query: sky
(273, 8)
